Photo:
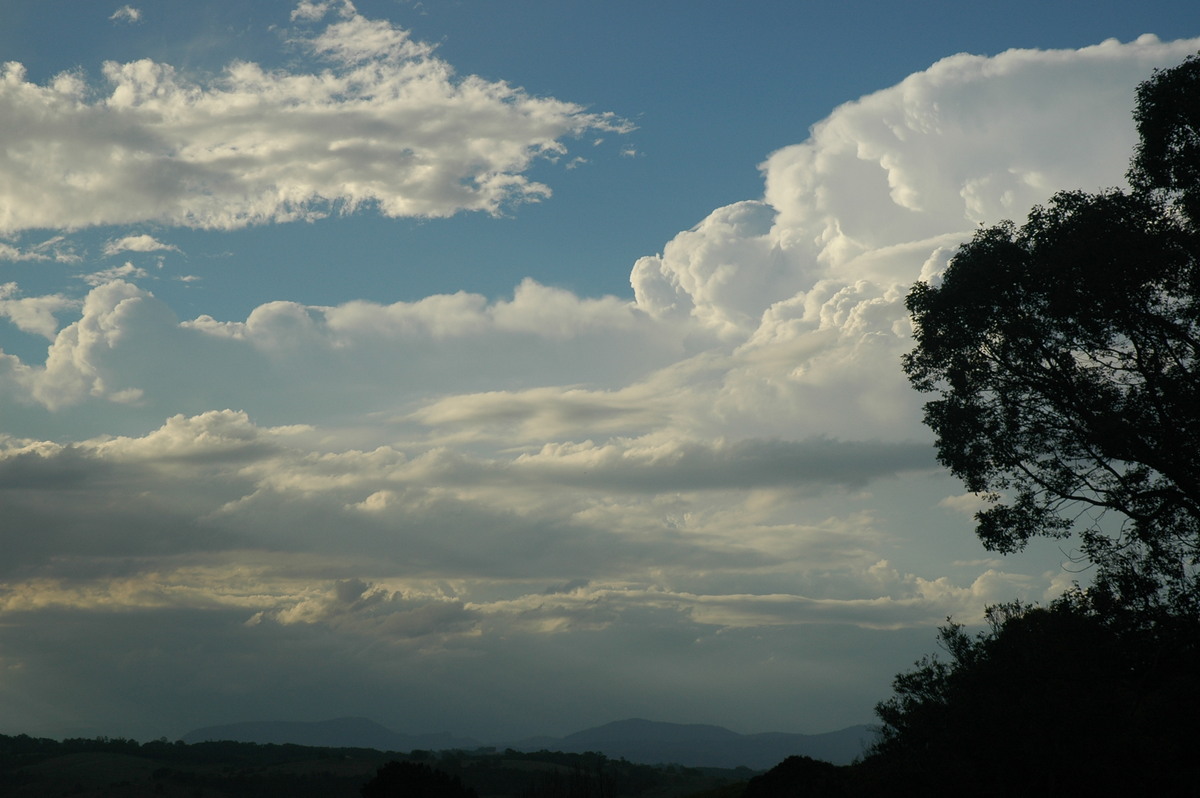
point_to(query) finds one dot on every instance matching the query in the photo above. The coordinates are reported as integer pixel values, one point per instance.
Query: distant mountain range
(338, 733)
(697, 745)
(637, 740)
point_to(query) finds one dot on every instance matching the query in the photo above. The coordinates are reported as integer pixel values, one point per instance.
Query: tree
(1046, 701)
(414, 780)
(1168, 120)
(799, 776)
(1064, 357)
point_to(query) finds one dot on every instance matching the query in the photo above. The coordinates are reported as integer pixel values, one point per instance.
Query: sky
(506, 368)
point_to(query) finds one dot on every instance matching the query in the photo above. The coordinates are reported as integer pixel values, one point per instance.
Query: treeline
(1063, 700)
(115, 767)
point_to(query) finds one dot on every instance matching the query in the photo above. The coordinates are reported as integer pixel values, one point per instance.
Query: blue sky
(504, 368)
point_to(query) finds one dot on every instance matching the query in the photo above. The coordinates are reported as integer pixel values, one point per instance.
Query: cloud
(386, 125)
(126, 14)
(887, 181)
(137, 243)
(183, 504)
(312, 11)
(780, 317)
(126, 341)
(807, 284)
(56, 248)
(726, 474)
(967, 504)
(657, 465)
(79, 362)
(126, 271)
(772, 324)
(356, 40)
(213, 511)
(35, 315)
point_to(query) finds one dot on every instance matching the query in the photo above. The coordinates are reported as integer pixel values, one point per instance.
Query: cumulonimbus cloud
(776, 317)
(731, 462)
(657, 452)
(886, 181)
(387, 124)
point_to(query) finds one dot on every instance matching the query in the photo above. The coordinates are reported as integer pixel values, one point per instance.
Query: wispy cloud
(127, 14)
(57, 248)
(126, 271)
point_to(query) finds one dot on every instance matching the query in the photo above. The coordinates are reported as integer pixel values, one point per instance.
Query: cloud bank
(724, 474)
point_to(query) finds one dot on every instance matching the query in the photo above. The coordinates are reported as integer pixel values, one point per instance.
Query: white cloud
(126, 271)
(55, 248)
(137, 243)
(442, 536)
(728, 468)
(33, 314)
(775, 318)
(125, 338)
(779, 318)
(126, 14)
(387, 125)
(311, 11)
(807, 285)
(715, 271)
(79, 363)
(356, 40)
(967, 503)
(889, 179)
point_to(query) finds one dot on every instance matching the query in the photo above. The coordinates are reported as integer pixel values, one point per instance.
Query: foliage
(1168, 122)
(1064, 357)
(800, 776)
(402, 779)
(1063, 354)
(1056, 700)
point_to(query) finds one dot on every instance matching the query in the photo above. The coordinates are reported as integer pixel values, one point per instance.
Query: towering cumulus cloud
(705, 489)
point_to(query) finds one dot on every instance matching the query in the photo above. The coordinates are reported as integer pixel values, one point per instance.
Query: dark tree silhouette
(1064, 357)
(1168, 120)
(800, 777)
(414, 780)
(949, 718)
(1047, 701)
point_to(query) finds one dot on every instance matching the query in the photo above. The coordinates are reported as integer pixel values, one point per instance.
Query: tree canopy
(1046, 701)
(1063, 355)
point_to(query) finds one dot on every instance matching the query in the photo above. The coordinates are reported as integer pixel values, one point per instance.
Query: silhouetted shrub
(414, 780)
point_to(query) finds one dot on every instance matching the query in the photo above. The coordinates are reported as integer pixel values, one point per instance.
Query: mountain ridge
(347, 732)
(704, 745)
(634, 739)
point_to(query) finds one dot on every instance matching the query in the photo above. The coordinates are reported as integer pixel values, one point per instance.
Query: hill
(700, 745)
(636, 740)
(336, 733)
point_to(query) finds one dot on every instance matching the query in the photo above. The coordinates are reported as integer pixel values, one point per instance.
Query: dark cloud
(734, 465)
